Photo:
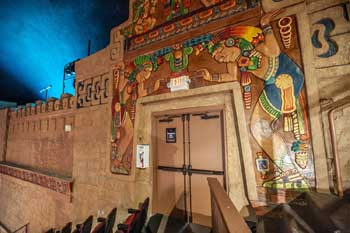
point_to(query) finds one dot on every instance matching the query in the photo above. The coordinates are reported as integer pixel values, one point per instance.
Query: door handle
(203, 172)
(189, 170)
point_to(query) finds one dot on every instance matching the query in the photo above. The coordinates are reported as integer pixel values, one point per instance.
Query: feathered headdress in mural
(246, 38)
(243, 37)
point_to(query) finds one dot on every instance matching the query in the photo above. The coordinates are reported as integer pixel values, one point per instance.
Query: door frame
(240, 171)
(154, 146)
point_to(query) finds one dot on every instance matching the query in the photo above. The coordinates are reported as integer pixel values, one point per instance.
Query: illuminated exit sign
(179, 83)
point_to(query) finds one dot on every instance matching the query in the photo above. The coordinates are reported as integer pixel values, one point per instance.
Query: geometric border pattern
(56, 184)
(217, 12)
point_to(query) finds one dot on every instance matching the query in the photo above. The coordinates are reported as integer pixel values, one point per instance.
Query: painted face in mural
(226, 54)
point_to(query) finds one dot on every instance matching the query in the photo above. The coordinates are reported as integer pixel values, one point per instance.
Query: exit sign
(179, 83)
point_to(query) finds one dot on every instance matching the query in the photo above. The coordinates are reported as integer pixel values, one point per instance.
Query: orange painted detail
(169, 28)
(139, 40)
(205, 14)
(288, 103)
(228, 5)
(153, 34)
(186, 21)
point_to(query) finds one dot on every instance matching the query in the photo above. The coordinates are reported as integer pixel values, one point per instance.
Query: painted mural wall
(265, 58)
(148, 14)
(287, 72)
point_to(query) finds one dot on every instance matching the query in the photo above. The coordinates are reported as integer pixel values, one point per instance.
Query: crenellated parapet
(66, 102)
(42, 131)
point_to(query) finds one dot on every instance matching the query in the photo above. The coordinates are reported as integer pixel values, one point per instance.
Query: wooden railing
(225, 216)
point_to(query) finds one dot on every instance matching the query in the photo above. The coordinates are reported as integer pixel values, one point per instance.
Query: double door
(189, 149)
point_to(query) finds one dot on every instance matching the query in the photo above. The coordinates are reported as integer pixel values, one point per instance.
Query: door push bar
(190, 170)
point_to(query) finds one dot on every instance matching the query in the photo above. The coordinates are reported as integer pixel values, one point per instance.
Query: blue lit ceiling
(38, 37)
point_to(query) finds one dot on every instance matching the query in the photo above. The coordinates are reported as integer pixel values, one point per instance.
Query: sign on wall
(170, 135)
(142, 156)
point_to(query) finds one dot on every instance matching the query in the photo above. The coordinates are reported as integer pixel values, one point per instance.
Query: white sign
(179, 83)
(67, 128)
(142, 156)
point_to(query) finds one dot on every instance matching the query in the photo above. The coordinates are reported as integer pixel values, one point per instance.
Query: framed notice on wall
(142, 156)
(170, 135)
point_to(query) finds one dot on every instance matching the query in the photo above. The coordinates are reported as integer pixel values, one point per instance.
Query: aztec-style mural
(149, 14)
(220, 10)
(265, 60)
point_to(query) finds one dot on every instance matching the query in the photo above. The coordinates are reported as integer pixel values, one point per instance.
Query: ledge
(55, 183)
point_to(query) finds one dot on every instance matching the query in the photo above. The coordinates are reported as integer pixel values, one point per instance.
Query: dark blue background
(38, 37)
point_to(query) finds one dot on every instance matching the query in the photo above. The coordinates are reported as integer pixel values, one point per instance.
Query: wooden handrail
(225, 216)
(334, 147)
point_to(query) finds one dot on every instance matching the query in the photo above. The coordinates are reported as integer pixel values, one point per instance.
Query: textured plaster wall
(343, 138)
(333, 78)
(22, 202)
(94, 187)
(3, 132)
(40, 142)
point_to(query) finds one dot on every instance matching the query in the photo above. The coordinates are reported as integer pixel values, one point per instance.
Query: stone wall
(3, 132)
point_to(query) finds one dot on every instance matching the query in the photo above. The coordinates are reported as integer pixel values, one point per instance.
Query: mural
(266, 61)
(285, 25)
(280, 108)
(144, 17)
(329, 26)
(123, 110)
(152, 19)
(175, 8)
(217, 12)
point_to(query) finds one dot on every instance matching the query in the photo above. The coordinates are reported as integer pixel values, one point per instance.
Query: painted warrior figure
(252, 51)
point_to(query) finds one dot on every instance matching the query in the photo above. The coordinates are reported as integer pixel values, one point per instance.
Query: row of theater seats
(133, 224)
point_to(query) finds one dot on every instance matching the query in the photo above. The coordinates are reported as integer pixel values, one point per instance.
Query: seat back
(110, 221)
(67, 228)
(86, 228)
(140, 218)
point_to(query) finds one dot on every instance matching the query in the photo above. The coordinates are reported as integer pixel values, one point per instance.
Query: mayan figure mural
(278, 120)
(147, 14)
(265, 59)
